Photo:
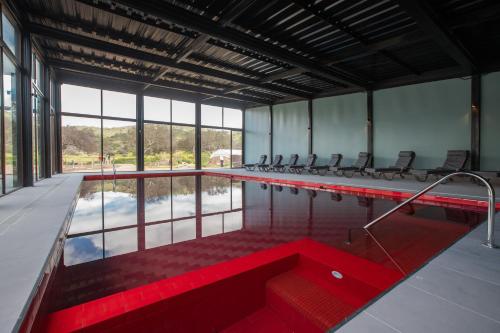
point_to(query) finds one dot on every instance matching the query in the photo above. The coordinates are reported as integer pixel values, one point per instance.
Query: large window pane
(215, 148)
(183, 112)
(81, 144)
(211, 115)
(117, 104)
(11, 134)
(233, 118)
(156, 109)
(119, 141)
(76, 99)
(183, 140)
(37, 136)
(236, 151)
(156, 146)
(10, 34)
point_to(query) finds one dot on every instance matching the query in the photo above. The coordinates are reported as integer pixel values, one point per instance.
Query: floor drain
(337, 275)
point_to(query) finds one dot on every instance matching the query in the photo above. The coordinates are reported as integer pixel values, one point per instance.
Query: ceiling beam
(128, 52)
(337, 23)
(429, 22)
(199, 41)
(178, 16)
(109, 73)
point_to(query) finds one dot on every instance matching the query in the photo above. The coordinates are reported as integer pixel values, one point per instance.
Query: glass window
(37, 136)
(211, 115)
(157, 147)
(233, 118)
(236, 149)
(10, 34)
(183, 141)
(11, 125)
(76, 99)
(118, 104)
(119, 145)
(156, 109)
(81, 144)
(183, 112)
(215, 148)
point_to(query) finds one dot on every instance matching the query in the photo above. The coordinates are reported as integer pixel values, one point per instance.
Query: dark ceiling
(266, 51)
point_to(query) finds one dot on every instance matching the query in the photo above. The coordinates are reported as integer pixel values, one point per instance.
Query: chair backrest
(277, 159)
(262, 159)
(363, 160)
(293, 159)
(456, 159)
(405, 159)
(335, 160)
(311, 159)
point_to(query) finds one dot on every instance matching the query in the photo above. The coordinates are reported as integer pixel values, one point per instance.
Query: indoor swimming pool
(156, 252)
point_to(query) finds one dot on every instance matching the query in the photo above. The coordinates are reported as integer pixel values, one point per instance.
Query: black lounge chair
(283, 167)
(455, 161)
(402, 165)
(277, 161)
(333, 163)
(251, 167)
(358, 166)
(298, 168)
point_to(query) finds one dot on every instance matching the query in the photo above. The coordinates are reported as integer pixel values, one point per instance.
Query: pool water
(131, 233)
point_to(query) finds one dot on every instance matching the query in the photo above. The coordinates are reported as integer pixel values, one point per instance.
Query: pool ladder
(490, 240)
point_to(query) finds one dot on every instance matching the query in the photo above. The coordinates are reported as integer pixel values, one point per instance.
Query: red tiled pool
(196, 253)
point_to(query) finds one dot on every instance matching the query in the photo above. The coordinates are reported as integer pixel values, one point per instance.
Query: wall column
(140, 131)
(197, 144)
(270, 133)
(310, 126)
(26, 113)
(243, 136)
(369, 123)
(475, 145)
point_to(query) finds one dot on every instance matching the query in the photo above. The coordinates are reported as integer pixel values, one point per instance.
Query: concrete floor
(458, 291)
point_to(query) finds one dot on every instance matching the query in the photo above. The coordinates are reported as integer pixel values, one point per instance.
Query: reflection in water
(155, 228)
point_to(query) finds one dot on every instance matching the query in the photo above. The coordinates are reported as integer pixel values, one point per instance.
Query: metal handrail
(490, 240)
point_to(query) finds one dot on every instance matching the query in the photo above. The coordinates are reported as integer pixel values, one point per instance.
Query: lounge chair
(251, 167)
(402, 165)
(277, 161)
(298, 168)
(358, 166)
(333, 163)
(284, 167)
(455, 161)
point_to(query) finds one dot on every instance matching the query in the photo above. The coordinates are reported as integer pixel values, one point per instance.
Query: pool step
(305, 305)
(264, 320)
